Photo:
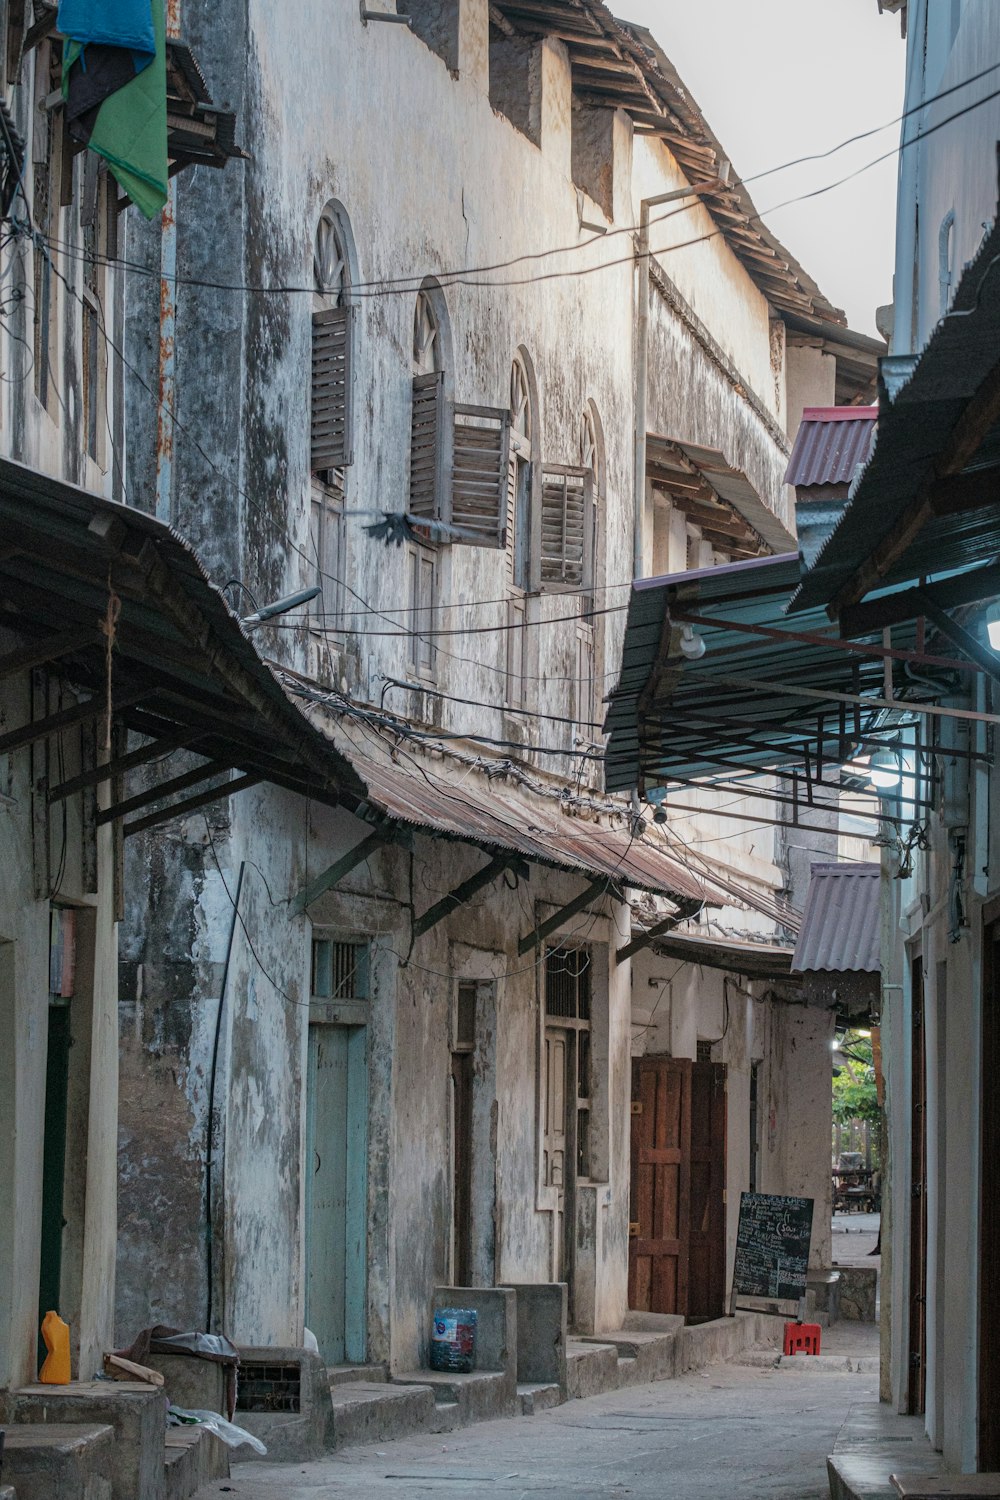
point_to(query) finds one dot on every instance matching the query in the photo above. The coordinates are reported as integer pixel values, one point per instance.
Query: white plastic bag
(233, 1436)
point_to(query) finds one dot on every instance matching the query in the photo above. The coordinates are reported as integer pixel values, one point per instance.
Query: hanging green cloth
(129, 128)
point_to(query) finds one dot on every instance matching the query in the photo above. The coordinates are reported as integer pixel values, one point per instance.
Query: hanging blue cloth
(113, 23)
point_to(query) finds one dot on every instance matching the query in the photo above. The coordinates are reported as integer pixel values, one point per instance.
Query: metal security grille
(269, 1387)
(567, 983)
(339, 970)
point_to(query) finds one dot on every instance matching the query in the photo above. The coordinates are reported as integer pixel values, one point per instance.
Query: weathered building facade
(373, 1049)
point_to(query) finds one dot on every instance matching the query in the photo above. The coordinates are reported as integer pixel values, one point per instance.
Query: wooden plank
(334, 873)
(96, 774)
(467, 890)
(93, 708)
(686, 910)
(163, 789)
(50, 648)
(180, 809)
(602, 887)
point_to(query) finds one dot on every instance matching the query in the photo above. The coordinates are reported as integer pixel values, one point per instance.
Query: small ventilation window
(339, 970)
(269, 1387)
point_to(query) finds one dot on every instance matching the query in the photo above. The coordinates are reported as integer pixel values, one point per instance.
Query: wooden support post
(603, 887)
(343, 866)
(468, 888)
(685, 909)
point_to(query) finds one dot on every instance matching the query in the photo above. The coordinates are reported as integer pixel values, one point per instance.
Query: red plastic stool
(802, 1338)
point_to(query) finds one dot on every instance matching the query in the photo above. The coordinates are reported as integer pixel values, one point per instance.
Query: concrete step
(347, 1374)
(377, 1412)
(536, 1398)
(764, 1359)
(591, 1368)
(192, 1456)
(136, 1413)
(68, 1460)
(460, 1399)
(642, 1355)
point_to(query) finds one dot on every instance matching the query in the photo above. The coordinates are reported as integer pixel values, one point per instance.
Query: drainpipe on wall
(904, 288)
(642, 346)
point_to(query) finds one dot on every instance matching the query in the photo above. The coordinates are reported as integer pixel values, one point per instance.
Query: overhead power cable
(412, 282)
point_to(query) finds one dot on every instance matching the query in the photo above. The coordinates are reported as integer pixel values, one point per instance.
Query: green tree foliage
(854, 1093)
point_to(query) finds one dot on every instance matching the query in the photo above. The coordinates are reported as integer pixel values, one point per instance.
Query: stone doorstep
(192, 1457)
(591, 1368)
(865, 1476)
(912, 1487)
(642, 1356)
(348, 1374)
(460, 1399)
(376, 1412)
(536, 1398)
(46, 1460)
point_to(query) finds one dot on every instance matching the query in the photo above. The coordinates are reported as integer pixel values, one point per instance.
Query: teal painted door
(337, 1190)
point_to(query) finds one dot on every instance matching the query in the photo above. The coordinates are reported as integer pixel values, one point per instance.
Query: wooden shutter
(480, 471)
(426, 431)
(331, 389)
(565, 545)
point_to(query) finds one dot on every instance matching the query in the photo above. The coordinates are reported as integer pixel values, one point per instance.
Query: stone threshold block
(136, 1413)
(61, 1460)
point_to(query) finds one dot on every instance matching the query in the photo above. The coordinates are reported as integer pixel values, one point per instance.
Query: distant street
(730, 1431)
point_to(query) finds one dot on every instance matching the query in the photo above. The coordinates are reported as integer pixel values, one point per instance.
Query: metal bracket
(382, 15)
(603, 887)
(334, 873)
(468, 888)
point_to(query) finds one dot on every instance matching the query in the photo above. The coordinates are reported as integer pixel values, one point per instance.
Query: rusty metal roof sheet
(840, 925)
(485, 809)
(738, 956)
(830, 444)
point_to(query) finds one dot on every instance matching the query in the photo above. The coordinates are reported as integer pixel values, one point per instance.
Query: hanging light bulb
(993, 626)
(692, 645)
(883, 769)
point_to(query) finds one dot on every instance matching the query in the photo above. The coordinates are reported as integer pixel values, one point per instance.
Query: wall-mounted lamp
(993, 626)
(692, 644)
(281, 606)
(884, 771)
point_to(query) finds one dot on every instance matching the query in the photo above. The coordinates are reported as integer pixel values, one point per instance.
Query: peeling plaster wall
(85, 883)
(438, 178)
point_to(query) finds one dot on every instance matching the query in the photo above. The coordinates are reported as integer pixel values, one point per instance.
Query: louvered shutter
(330, 423)
(479, 482)
(426, 432)
(565, 544)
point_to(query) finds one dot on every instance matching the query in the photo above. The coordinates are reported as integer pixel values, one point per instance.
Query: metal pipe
(642, 347)
(903, 331)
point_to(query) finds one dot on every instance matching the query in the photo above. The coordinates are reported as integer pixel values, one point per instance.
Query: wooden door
(707, 1219)
(988, 1452)
(659, 1230)
(916, 1392)
(336, 1191)
(556, 1144)
(54, 1162)
(461, 1192)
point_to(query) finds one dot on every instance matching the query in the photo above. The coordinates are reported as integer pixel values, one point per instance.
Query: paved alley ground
(734, 1430)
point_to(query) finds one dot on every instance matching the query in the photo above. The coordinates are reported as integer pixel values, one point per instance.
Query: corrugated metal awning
(830, 444)
(895, 518)
(726, 482)
(752, 960)
(671, 718)
(840, 925)
(74, 566)
(452, 801)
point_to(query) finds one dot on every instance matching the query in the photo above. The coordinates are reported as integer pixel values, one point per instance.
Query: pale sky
(777, 79)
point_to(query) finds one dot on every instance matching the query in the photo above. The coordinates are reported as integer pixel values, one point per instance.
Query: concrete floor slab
(722, 1431)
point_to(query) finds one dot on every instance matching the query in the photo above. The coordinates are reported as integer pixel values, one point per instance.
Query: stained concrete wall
(74, 870)
(495, 182)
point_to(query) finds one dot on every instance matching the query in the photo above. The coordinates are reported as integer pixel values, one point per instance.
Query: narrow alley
(750, 1429)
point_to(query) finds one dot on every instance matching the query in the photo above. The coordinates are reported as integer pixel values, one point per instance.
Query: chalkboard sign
(772, 1246)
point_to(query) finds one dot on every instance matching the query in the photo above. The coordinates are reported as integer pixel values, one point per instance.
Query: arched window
(427, 353)
(520, 402)
(331, 263)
